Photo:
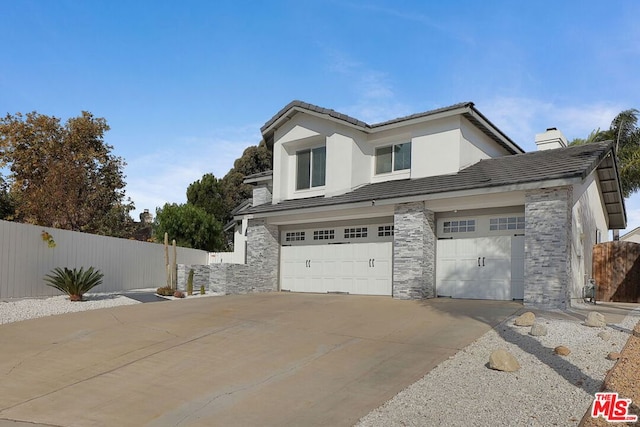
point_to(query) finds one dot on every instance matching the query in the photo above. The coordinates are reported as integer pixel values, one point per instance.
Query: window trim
(393, 150)
(507, 223)
(310, 166)
(454, 226)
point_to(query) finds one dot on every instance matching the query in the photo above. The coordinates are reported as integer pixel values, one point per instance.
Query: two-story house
(440, 203)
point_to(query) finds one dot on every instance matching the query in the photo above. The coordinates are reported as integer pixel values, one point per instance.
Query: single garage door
(355, 265)
(481, 268)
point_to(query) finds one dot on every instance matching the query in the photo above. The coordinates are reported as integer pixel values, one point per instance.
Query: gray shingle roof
(314, 108)
(564, 163)
(472, 114)
(351, 120)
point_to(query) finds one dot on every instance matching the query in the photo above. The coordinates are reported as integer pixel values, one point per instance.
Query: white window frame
(470, 226)
(507, 223)
(393, 158)
(311, 152)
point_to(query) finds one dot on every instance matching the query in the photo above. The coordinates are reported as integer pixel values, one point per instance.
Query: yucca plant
(74, 283)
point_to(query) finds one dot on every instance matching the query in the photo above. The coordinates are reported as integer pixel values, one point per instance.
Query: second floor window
(393, 158)
(311, 167)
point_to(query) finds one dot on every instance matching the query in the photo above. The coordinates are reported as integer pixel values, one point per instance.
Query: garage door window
(323, 234)
(355, 233)
(294, 236)
(506, 223)
(385, 230)
(460, 226)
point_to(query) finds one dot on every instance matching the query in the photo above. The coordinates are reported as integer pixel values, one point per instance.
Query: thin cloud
(375, 96)
(163, 176)
(436, 24)
(521, 118)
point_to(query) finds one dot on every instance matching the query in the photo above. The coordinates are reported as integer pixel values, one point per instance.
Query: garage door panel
(382, 268)
(498, 290)
(446, 288)
(357, 268)
(317, 284)
(477, 268)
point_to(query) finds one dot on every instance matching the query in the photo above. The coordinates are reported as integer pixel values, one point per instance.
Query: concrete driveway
(261, 359)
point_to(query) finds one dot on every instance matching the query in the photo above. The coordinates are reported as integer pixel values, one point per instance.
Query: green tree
(6, 203)
(254, 159)
(190, 226)
(206, 193)
(625, 133)
(64, 175)
(220, 196)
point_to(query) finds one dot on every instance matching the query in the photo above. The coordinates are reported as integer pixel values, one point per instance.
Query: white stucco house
(436, 204)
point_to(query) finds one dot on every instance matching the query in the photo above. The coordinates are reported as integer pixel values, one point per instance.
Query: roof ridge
(352, 120)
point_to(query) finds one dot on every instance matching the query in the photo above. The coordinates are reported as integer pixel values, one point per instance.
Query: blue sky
(185, 86)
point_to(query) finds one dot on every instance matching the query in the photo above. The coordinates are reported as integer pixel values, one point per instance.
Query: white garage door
(481, 268)
(340, 266)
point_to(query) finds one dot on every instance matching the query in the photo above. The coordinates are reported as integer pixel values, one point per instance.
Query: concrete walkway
(261, 359)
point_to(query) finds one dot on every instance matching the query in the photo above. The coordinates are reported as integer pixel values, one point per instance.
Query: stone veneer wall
(260, 274)
(547, 246)
(201, 275)
(261, 195)
(414, 252)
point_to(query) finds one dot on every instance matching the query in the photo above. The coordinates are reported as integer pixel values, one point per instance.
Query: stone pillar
(414, 252)
(263, 253)
(260, 273)
(547, 246)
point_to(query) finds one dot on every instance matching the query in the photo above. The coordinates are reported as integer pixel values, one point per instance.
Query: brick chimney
(550, 139)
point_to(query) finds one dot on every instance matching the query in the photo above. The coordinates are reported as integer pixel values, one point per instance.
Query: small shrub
(74, 283)
(190, 283)
(201, 289)
(46, 237)
(165, 291)
(178, 294)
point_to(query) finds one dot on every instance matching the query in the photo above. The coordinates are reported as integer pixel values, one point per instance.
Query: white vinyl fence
(127, 264)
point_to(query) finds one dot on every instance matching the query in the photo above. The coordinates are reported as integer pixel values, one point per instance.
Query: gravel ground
(548, 390)
(15, 311)
(31, 308)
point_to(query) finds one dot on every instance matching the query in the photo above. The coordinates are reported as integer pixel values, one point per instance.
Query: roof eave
(492, 131)
(381, 201)
(609, 178)
(466, 110)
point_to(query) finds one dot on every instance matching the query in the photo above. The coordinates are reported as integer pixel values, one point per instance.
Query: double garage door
(355, 268)
(362, 265)
(481, 268)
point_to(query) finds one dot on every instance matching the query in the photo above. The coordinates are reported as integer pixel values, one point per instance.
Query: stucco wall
(439, 146)
(588, 216)
(476, 145)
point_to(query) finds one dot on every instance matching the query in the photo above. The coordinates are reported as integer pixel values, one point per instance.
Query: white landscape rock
(32, 308)
(547, 389)
(604, 335)
(525, 319)
(502, 360)
(538, 330)
(596, 320)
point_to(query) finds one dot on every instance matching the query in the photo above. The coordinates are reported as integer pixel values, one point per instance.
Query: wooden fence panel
(127, 264)
(616, 269)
